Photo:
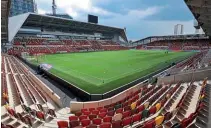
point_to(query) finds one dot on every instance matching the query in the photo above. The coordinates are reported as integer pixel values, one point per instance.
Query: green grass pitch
(99, 72)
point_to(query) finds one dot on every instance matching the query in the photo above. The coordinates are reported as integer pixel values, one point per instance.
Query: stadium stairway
(175, 99)
(187, 106)
(12, 92)
(193, 102)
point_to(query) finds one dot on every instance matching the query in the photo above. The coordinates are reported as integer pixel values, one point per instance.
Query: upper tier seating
(29, 41)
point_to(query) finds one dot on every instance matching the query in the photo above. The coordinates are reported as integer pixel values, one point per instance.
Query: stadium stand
(147, 110)
(199, 60)
(150, 106)
(38, 45)
(178, 45)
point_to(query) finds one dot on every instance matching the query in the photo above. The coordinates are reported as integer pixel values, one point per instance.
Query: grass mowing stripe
(99, 72)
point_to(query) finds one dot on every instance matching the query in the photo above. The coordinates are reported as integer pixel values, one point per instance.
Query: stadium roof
(58, 23)
(5, 5)
(201, 10)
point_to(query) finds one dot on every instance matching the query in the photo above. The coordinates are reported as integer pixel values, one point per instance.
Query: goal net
(34, 58)
(40, 57)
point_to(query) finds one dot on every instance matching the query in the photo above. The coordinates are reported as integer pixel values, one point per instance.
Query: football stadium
(103, 71)
(58, 72)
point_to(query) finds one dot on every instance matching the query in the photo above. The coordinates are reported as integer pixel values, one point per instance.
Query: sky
(141, 18)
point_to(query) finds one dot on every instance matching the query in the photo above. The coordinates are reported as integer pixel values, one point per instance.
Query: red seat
(82, 117)
(140, 108)
(99, 108)
(126, 114)
(103, 110)
(192, 116)
(83, 110)
(74, 123)
(150, 124)
(92, 126)
(110, 108)
(120, 110)
(11, 112)
(152, 110)
(125, 104)
(97, 121)
(92, 116)
(78, 113)
(127, 121)
(102, 115)
(111, 113)
(107, 119)
(137, 117)
(91, 109)
(107, 106)
(71, 118)
(185, 122)
(96, 112)
(105, 125)
(87, 113)
(138, 102)
(117, 124)
(62, 124)
(40, 115)
(85, 122)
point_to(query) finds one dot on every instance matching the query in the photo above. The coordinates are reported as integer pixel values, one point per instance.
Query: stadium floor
(99, 72)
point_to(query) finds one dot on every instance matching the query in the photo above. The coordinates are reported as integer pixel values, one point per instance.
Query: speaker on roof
(92, 19)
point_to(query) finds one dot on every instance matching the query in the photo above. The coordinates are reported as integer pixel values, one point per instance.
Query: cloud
(76, 8)
(41, 11)
(134, 19)
(145, 12)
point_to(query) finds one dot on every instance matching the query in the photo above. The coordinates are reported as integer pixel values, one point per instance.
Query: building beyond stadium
(22, 6)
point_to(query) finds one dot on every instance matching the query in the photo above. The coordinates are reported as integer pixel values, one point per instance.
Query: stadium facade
(22, 6)
(5, 5)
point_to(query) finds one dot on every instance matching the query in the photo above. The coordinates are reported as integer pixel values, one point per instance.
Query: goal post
(25, 55)
(40, 57)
